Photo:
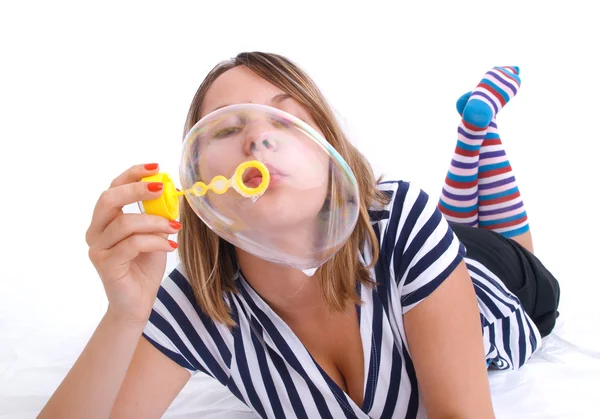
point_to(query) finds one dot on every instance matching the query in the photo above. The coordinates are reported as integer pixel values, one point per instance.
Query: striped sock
(501, 207)
(495, 89)
(459, 199)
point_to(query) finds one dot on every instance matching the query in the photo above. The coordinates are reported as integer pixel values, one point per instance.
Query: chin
(282, 218)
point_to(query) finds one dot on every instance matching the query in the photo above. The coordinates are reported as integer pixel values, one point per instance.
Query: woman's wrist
(134, 324)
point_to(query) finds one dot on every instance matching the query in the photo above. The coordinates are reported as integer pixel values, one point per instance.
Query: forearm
(444, 337)
(90, 388)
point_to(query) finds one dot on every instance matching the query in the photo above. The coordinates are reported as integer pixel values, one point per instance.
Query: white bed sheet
(561, 381)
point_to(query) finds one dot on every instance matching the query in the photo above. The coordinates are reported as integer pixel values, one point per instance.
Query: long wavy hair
(210, 262)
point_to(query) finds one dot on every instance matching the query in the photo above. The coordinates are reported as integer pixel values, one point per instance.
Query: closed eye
(280, 123)
(227, 131)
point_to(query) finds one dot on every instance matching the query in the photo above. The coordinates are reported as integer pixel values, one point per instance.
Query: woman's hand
(129, 251)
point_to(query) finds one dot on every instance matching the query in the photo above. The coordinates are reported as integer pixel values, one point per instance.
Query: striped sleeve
(509, 335)
(425, 249)
(181, 331)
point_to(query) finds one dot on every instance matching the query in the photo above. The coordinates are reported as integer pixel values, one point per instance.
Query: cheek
(218, 158)
(308, 199)
(306, 164)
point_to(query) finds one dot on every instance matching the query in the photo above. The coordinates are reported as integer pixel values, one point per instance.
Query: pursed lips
(252, 177)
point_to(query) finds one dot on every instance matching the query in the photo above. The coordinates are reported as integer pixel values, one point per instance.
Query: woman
(289, 347)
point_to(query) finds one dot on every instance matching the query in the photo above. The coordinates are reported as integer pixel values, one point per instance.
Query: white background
(88, 89)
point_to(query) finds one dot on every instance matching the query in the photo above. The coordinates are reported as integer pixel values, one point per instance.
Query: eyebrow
(275, 99)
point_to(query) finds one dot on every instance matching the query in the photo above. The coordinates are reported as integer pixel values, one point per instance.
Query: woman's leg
(501, 206)
(459, 199)
(508, 252)
(480, 188)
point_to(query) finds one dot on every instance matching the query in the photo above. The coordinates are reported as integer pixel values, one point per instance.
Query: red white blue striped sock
(501, 207)
(459, 199)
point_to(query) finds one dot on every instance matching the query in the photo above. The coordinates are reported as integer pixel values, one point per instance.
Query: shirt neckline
(304, 355)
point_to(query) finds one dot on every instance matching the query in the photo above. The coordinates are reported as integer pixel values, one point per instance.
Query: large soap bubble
(270, 184)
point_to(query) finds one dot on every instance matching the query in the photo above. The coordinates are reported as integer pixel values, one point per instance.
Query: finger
(131, 175)
(112, 201)
(128, 224)
(135, 174)
(127, 250)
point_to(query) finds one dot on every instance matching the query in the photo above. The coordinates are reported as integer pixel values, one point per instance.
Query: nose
(259, 139)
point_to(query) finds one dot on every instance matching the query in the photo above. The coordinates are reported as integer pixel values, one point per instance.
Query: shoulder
(179, 328)
(406, 203)
(416, 242)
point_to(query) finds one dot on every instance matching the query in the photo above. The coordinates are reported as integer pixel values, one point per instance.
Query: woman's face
(299, 167)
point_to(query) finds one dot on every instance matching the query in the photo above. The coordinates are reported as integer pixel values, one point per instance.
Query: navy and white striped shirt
(265, 364)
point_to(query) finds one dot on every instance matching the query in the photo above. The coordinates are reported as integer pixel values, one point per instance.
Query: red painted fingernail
(173, 244)
(175, 224)
(155, 186)
(151, 166)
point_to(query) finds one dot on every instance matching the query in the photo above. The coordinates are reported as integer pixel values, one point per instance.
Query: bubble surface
(311, 202)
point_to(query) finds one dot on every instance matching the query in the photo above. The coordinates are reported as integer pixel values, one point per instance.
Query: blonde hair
(210, 262)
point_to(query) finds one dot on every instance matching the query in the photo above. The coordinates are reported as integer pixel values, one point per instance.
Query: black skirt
(519, 269)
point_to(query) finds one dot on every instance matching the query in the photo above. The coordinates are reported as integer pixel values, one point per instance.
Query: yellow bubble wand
(167, 205)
